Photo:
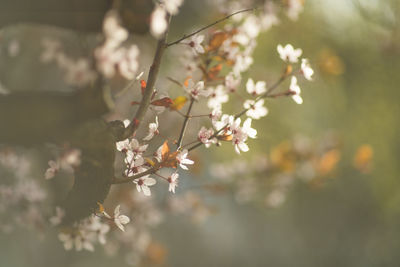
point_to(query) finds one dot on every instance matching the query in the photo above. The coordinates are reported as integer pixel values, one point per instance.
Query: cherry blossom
(52, 170)
(288, 53)
(295, 89)
(195, 44)
(295, 7)
(232, 82)
(172, 6)
(153, 130)
(256, 109)
(242, 63)
(57, 218)
(255, 88)
(196, 90)
(217, 97)
(306, 69)
(183, 160)
(173, 182)
(251, 132)
(159, 22)
(114, 33)
(99, 228)
(135, 165)
(129, 65)
(119, 219)
(204, 136)
(143, 183)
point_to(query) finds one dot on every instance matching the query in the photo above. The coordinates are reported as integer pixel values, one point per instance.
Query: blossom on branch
(196, 90)
(143, 183)
(173, 182)
(288, 53)
(256, 109)
(153, 130)
(255, 88)
(119, 219)
(295, 89)
(183, 160)
(306, 69)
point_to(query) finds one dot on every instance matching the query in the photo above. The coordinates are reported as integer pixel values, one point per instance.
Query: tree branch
(185, 123)
(134, 177)
(208, 26)
(151, 80)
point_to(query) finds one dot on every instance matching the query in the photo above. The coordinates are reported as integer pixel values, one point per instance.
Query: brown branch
(134, 177)
(185, 123)
(208, 26)
(151, 80)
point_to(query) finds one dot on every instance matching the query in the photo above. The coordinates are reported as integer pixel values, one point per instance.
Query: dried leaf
(163, 102)
(165, 151)
(101, 207)
(217, 40)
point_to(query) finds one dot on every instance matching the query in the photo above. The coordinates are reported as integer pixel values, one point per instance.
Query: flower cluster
(78, 72)
(215, 65)
(111, 56)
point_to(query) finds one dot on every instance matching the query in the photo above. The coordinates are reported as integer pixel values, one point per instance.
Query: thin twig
(208, 26)
(134, 177)
(185, 123)
(144, 104)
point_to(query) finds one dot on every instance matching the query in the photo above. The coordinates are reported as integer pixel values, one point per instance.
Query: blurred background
(349, 121)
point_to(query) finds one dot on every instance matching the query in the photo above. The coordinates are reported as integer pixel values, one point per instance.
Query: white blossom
(306, 69)
(153, 130)
(129, 64)
(173, 182)
(295, 89)
(172, 6)
(204, 136)
(183, 160)
(52, 170)
(288, 53)
(256, 109)
(114, 33)
(195, 44)
(232, 82)
(196, 90)
(251, 132)
(255, 88)
(242, 63)
(119, 219)
(159, 22)
(143, 183)
(217, 97)
(295, 7)
(123, 145)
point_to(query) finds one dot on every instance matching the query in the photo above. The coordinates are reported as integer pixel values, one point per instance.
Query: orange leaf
(225, 137)
(178, 103)
(217, 40)
(186, 82)
(165, 151)
(213, 72)
(101, 207)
